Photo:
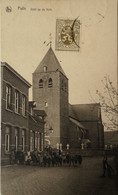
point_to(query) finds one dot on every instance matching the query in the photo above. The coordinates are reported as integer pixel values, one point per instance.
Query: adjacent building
(111, 139)
(16, 120)
(89, 115)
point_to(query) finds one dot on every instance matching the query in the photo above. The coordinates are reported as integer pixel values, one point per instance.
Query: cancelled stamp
(67, 34)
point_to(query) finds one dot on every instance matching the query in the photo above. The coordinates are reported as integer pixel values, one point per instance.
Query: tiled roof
(84, 112)
(76, 123)
(40, 112)
(4, 64)
(51, 61)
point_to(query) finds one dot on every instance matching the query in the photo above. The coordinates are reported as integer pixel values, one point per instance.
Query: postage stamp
(67, 34)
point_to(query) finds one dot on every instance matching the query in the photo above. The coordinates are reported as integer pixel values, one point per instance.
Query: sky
(23, 32)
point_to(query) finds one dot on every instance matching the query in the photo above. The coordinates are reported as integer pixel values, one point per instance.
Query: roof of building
(111, 137)
(40, 112)
(76, 123)
(32, 104)
(4, 64)
(35, 123)
(51, 62)
(84, 112)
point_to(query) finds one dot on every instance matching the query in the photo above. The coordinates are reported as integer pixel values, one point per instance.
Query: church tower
(50, 92)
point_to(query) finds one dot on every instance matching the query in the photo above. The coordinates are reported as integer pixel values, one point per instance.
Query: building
(49, 119)
(89, 115)
(36, 127)
(111, 139)
(69, 124)
(16, 120)
(50, 92)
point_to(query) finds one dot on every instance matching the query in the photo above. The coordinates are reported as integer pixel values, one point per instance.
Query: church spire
(50, 61)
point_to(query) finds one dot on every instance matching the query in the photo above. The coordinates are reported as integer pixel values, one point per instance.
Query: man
(105, 165)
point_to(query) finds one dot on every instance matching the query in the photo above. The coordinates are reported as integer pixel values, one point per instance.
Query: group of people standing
(47, 158)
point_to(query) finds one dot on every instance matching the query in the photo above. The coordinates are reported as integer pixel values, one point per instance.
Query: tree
(109, 103)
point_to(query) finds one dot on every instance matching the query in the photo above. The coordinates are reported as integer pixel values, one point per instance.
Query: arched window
(40, 83)
(50, 83)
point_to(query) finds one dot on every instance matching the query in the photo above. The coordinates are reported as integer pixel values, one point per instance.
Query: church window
(40, 83)
(45, 68)
(50, 83)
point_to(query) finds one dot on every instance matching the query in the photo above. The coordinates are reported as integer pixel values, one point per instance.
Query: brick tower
(50, 92)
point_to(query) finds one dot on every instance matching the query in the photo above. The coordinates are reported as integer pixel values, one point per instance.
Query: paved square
(82, 180)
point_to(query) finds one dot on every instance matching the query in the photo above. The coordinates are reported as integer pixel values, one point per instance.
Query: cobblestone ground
(33, 180)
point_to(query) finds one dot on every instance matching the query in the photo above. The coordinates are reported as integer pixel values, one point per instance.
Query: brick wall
(9, 117)
(52, 97)
(64, 122)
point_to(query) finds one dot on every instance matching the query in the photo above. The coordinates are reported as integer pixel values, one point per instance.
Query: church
(77, 126)
(48, 120)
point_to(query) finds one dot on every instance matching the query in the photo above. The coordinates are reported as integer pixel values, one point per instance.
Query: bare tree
(109, 103)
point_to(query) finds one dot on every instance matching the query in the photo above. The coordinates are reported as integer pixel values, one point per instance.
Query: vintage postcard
(59, 109)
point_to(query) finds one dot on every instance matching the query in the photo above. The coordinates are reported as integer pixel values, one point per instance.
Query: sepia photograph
(59, 97)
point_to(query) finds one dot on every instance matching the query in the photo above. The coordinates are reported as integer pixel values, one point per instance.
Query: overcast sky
(24, 31)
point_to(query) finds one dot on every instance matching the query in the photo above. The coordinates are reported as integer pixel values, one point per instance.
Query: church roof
(51, 61)
(76, 123)
(84, 112)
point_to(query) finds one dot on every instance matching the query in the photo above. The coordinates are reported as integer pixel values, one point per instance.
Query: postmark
(67, 34)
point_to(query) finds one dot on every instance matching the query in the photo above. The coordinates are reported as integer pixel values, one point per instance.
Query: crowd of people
(46, 158)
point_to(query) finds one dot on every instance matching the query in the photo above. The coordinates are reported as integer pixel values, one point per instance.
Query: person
(53, 160)
(41, 160)
(60, 160)
(110, 170)
(75, 160)
(12, 157)
(68, 159)
(48, 160)
(80, 159)
(105, 165)
(44, 160)
(72, 160)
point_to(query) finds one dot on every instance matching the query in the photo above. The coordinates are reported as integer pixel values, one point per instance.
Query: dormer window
(50, 83)
(40, 83)
(45, 68)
